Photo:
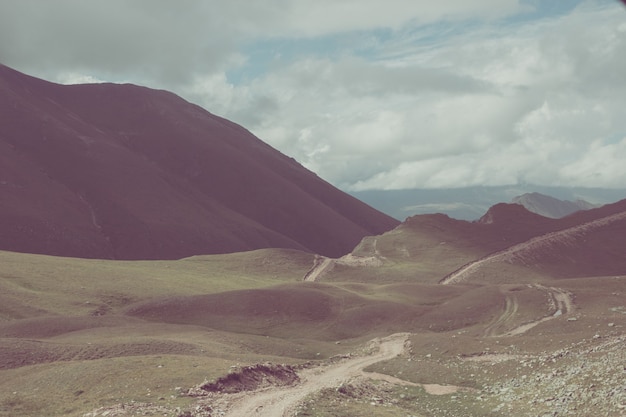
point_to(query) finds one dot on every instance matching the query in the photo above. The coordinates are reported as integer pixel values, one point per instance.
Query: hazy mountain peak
(548, 206)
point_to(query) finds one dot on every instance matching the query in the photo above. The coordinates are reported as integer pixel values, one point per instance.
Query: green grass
(409, 255)
(66, 346)
(32, 285)
(77, 334)
(72, 388)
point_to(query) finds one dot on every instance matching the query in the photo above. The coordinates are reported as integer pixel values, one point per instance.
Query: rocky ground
(584, 378)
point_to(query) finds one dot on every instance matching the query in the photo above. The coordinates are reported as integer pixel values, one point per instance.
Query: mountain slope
(127, 172)
(547, 206)
(431, 248)
(590, 246)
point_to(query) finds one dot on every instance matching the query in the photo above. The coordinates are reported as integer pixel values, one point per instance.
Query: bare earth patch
(281, 401)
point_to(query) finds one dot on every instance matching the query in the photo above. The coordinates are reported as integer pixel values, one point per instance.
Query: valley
(380, 331)
(159, 260)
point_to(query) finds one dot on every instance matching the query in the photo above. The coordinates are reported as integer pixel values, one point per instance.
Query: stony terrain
(586, 375)
(572, 381)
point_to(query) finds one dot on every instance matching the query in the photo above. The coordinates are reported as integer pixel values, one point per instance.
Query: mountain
(470, 203)
(128, 172)
(547, 206)
(584, 244)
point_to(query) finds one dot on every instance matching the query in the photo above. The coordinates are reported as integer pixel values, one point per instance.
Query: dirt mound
(250, 378)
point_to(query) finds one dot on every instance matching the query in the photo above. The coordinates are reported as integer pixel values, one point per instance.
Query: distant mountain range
(128, 172)
(547, 206)
(470, 203)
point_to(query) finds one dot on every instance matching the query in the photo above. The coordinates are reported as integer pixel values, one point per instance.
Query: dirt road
(562, 303)
(510, 309)
(321, 266)
(281, 401)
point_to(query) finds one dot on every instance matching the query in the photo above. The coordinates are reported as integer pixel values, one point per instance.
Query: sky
(369, 94)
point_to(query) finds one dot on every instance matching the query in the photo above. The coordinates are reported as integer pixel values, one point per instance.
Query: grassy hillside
(78, 334)
(66, 346)
(36, 285)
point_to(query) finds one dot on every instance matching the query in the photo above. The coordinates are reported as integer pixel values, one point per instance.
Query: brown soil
(250, 378)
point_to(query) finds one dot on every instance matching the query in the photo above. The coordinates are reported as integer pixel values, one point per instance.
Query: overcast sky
(369, 94)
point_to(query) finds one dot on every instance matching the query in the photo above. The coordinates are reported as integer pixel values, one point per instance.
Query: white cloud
(322, 17)
(77, 78)
(369, 94)
(514, 103)
(601, 163)
(158, 41)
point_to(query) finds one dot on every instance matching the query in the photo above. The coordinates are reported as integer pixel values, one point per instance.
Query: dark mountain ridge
(127, 172)
(585, 243)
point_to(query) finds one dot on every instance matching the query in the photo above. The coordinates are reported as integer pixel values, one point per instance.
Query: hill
(515, 311)
(128, 172)
(547, 206)
(426, 248)
(512, 310)
(585, 243)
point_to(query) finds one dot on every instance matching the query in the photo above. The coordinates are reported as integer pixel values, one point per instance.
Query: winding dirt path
(321, 266)
(507, 315)
(562, 302)
(281, 401)
(520, 251)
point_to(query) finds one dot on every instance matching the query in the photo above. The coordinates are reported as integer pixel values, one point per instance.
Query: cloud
(601, 163)
(492, 106)
(318, 18)
(157, 40)
(368, 94)
(150, 40)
